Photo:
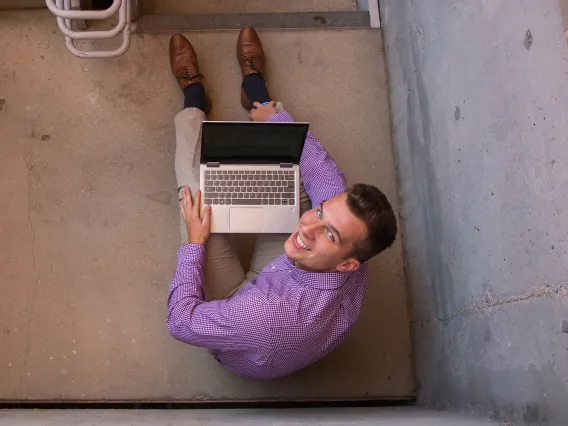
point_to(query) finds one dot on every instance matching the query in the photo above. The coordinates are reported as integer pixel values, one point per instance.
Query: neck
(305, 268)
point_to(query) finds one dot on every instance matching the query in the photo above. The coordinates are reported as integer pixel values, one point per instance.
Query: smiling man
(304, 292)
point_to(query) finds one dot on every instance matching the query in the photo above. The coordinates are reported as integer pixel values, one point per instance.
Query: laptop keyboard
(250, 188)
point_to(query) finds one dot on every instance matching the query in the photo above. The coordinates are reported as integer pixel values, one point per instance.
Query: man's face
(324, 237)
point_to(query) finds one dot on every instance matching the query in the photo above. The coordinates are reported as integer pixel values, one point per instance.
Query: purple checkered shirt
(286, 318)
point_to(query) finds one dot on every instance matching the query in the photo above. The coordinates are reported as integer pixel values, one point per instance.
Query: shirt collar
(319, 280)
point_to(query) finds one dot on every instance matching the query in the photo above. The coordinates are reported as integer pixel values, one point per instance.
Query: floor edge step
(237, 21)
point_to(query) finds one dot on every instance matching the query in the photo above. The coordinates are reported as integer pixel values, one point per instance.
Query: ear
(349, 265)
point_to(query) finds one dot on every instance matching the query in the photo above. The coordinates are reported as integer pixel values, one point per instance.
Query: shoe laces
(186, 74)
(250, 62)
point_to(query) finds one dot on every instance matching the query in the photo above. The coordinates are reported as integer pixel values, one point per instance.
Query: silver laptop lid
(245, 142)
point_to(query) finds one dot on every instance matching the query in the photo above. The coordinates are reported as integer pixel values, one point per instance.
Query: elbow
(176, 329)
(179, 322)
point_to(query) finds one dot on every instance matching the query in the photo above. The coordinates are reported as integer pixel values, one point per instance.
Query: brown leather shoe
(250, 56)
(184, 64)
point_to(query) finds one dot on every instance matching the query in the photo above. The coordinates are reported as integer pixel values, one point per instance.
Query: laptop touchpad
(245, 219)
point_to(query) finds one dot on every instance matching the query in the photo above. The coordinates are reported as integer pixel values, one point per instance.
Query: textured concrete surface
(89, 221)
(408, 416)
(479, 107)
(241, 6)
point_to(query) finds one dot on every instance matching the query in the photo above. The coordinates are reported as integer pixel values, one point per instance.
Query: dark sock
(255, 89)
(194, 96)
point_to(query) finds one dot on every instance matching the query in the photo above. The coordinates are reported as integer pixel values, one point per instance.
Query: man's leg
(251, 60)
(223, 271)
(250, 55)
(255, 89)
(269, 246)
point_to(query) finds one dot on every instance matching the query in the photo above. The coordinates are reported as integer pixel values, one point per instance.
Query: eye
(319, 213)
(330, 236)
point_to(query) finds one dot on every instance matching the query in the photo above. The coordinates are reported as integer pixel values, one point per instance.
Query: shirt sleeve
(321, 176)
(219, 325)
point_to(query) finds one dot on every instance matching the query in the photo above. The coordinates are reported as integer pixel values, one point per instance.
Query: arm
(320, 174)
(218, 325)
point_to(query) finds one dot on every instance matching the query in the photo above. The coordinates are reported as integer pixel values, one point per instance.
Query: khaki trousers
(224, 274)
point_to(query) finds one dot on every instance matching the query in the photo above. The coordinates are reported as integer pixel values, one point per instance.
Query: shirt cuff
(281, 117)
(194, 253)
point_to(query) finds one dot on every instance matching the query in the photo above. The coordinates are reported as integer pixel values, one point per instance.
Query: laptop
(250, 175)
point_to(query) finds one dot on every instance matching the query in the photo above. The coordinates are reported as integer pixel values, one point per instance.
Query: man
(304, 292)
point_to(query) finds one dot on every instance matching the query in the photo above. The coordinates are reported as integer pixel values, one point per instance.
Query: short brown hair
(370, 205)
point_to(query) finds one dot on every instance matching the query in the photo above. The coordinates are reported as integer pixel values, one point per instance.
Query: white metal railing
(62, 10)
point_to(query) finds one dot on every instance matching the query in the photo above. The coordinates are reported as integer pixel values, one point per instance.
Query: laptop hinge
(286, 165)
(213, 164)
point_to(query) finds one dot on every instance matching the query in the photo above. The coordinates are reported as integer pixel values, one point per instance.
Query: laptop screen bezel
(253, 160)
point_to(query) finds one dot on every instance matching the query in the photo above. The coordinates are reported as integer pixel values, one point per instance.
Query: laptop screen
(252, 142)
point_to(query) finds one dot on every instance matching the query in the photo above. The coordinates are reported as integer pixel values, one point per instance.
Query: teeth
(301, 243)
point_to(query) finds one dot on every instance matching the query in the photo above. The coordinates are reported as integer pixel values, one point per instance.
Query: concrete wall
(480, 113)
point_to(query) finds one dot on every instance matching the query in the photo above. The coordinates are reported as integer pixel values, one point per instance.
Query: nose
(311, 229)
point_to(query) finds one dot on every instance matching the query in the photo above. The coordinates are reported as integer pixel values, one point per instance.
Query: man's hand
(198, 228)
(262, 112)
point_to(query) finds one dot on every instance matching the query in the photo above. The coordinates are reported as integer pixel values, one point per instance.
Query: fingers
(259, 105)
(253, 116)
(182, 210)
(188, 202)
(196, 206)
(182, 203)
(207, 218)
(260, 112)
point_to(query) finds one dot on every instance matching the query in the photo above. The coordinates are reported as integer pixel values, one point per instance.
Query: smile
(299, 243)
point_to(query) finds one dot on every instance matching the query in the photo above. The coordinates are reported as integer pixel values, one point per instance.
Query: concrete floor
(404, 416)
(479, 105)
(89, 221)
